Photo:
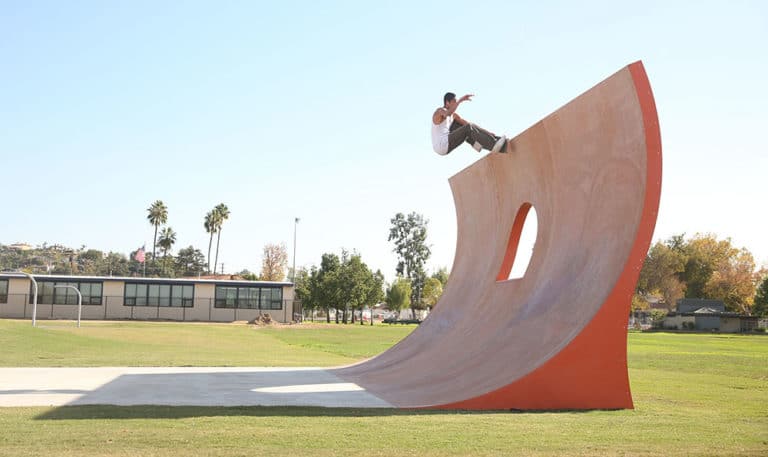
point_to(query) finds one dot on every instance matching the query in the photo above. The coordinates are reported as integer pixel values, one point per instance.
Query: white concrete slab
(206, 386)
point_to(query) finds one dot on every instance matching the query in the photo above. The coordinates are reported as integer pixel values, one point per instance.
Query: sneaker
(499, 144)
(477, 146)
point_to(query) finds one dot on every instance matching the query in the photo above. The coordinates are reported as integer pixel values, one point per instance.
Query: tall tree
(322, 284)
(303, 293)
(210, 225)
(222, 214)
(410, 237)
(357, 286)
(274, 262)
(157, 216)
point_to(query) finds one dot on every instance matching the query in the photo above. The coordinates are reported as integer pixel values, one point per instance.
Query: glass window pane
(165, 295)
(231, 297)
(141, 295)
(130, 290)
(189, 291)
(95, 294)
(176, 292)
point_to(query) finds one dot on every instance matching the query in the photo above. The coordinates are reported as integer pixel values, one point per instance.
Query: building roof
(229, 282)
(689, 305)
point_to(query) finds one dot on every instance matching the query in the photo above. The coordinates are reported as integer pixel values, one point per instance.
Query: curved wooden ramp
(556, 338)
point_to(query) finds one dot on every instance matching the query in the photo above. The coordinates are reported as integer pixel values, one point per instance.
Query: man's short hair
(448, 97)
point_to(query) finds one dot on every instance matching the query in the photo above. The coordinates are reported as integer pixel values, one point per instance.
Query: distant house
(708, 315)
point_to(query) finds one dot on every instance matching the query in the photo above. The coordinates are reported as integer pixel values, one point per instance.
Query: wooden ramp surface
(556, 338)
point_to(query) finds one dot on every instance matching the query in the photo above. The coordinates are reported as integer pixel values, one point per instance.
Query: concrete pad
(209, 386)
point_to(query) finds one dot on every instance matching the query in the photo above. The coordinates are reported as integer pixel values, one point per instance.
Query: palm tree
(158, 215)
(167, 239)
(210, 227)
(222, 214)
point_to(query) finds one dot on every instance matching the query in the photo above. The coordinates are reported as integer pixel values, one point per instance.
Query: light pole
(293, 275)
(34, 295)
(79, 300)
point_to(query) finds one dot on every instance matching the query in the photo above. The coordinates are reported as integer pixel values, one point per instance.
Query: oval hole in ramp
(522, 238)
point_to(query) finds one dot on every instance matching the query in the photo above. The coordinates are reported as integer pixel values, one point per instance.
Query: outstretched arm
(441, 113)
(465, 98)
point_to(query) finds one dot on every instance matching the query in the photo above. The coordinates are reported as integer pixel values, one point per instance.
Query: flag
(139, 255)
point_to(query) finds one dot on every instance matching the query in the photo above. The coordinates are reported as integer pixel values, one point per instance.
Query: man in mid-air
(449, 130)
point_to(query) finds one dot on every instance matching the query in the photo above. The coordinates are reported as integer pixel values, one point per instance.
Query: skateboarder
(449, 130)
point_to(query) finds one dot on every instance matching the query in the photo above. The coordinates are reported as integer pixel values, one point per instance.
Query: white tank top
(440, 135)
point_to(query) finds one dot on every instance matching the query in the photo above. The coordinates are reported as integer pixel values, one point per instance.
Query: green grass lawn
(694, 394)
(61, 344)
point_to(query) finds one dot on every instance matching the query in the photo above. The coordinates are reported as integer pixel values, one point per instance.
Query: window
(226, 297)
(272, 298)
(48, 294)
(249, 297)
(3, 291)
(159, 294)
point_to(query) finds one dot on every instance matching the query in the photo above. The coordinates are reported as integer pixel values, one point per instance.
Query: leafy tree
(322, 284)
(357, 286)
(222, 214)
(760, 307)
(302, 291)
(705, 254)
(115, 264)
(639, 302)
(376, 294)
(734, 281)
(410, 235)
(248, 275)
(399, 294)
(190, 262)
(661, 272)
(441, 275)
(433, 289)
(90, 261)
(158, 215)
(274, 262)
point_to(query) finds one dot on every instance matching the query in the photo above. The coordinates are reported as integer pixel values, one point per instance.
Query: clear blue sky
(321, 110)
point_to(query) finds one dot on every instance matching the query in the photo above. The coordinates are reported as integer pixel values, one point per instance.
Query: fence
(19, 306)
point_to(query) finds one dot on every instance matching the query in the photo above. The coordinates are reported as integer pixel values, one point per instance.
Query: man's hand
(466, 98)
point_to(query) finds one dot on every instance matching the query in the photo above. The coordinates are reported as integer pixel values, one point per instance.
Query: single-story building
(182, 299)
(708, 315)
